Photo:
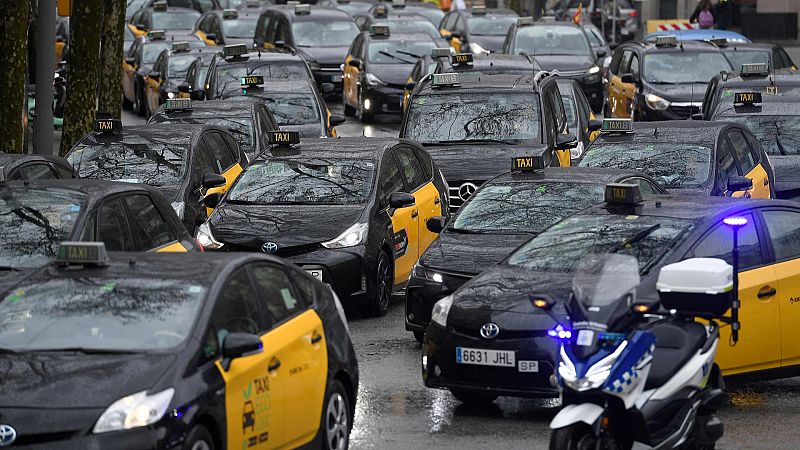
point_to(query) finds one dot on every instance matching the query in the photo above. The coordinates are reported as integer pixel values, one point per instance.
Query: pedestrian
(702, 15)
(724, 13)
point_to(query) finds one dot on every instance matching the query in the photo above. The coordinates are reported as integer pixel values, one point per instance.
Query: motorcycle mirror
(641, 308)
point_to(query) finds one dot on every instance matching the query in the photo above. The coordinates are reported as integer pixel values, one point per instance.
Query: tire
(363, 115)
(199, 438)
(138, 101)
(377, 300)
(335, 424)
(349, 111)
(469, 397)
(578, 436)
(125, 103)
(419, 335)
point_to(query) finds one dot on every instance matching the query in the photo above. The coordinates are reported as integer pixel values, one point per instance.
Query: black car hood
(392, 73)
(76, 380)
(492, 43)
(479, 161)
(306, 131)
(470, 253)
(324, 55)
(252, 225)
(787, 172)
(565, 63)
(687, 92)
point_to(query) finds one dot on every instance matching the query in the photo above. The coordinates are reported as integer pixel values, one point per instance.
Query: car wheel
(335, 424)
(138, 101)
(363, 115)
(199, 438)
(470, 397)
(377, 302)
(419, 335)
(126, 103)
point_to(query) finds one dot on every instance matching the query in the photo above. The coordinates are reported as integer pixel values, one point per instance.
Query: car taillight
(633, 13)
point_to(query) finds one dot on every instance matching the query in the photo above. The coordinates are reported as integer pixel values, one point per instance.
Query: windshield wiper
(469, 141)
(384, 52)
(635, 238)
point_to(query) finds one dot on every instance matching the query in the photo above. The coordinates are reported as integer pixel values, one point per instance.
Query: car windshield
(552, 40)
(229, 76)
(490, 25)
(99, 314)
(737, 58)
(474, 116)
(594, 37)
(175, 20)
(410, 26)
(288, 108)
(240, 127)
(179, 65)
(155, 163)
(672, 165)
(561, 247)
(33, 223)
(398, 52)
(779, 135)
(151, 50)
(684, 67)
(240, 28)
(524, 207)
(338, 33)
(318, 181)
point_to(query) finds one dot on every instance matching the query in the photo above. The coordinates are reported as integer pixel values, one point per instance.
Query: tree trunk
(110, 90)
(85, 26)
(13, 56)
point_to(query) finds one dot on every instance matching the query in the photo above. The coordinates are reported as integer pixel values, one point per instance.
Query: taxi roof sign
(666, 41)
(379, 11)
(746, 98)
(527, 163)
(399, 3)
(524, 21)
(302, 10)
(379, 30)
(232, 51)
(107, 125)
(178, 104)
(181, 46)
(754, 69)
(252, 80)
(445, 79)
(230, 14)
(461, 58)
(156, 35)
(617, 126)
(478, 10)
(160, 5)
(284, 138)
(623, 194)
(293, 2)
(82, 253)
(440, 52)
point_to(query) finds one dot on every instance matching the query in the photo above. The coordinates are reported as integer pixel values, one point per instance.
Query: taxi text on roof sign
(755, 69)
(182, 46)
(107, 125)
(82, 253)
(623, 194)
(379, 30)
(617, 126)
(230, 14)
(156, 35)
(284, 138)
(253, 80)
(462, 58)
(302, 10)
(445, 79)
(178, 104)
(747, 98)
(234, 50)
(527, 163)
(379, 11)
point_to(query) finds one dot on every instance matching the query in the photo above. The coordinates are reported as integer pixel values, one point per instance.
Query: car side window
(558, 110)
(410, 167)
(89, 227)
(282, 32)
(233, 149)
(742, 150)
(305, 287)
(784, 232)
(583, 105)
(614, 66)
(427, 163)
(202, 164)
(237, 309)
(718, 244)
(219, 151)
(205, 5)
(37, 171)
(150, 228)
(625, 63)
(390, 179)
(112, 227)
(634, 66)
(276, 292)
(271, 27)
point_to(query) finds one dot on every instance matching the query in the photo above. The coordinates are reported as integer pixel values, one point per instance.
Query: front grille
(330, 68)
(42, 438)
(460, 191)
(284, 252)
(684, 111)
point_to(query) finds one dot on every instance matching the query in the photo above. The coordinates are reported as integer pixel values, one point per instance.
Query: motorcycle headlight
(477, 49)
(427, 274)
(566, 369)
(372, 80)
(598, 374)
(350, 237)
(206, 239)
(441, 309)
(179, 208)
(656, 102)
(136, 410)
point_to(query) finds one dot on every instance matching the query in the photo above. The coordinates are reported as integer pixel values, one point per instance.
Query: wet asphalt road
(396, 411)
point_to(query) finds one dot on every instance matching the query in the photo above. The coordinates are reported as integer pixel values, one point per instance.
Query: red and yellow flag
(578, 17)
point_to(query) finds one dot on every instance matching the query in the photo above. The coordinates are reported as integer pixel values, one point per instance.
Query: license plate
(529, 366)
(336, 78)
(316, 273)
(480, 357)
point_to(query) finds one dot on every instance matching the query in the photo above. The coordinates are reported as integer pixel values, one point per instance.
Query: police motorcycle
(634, 379)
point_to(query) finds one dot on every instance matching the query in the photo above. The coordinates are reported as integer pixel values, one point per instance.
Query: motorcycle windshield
(602, 279)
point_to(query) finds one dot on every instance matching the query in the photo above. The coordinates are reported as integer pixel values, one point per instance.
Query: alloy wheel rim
(336, 422)
(383, 283)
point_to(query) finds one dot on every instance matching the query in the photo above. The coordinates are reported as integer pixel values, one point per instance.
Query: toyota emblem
(7, 435)
(466, 190)
(269, 247)
(490, 330)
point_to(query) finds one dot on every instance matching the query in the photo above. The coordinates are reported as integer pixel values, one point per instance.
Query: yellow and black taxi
(478, 30)
(493, 312)
(740, 53)
(503, 214)
(192, 86)
(227, 69)
(580, 118)
(27, 167)
(248, 120)
(400, 22)
(689, 157)
(350, 211)
(473, 125)
(664, 80)
(138, 64)
(377, 68)
(427, 10)
(562, 47)
(185, 162)
(227, 27)
(751, 78)
(320, 35)
(168, 72)
(202, 352)
(161, 16)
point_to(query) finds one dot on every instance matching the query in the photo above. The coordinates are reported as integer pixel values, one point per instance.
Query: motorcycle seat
(676, 343)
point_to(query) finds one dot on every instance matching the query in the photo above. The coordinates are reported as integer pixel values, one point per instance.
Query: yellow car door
(137, 32)
(405, 228)
(302, 353)
(350, 81)
(426, 197)
(750, 164)
(227, 161)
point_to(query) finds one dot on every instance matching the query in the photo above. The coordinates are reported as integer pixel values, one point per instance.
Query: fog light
(367, 103)
(437, 277)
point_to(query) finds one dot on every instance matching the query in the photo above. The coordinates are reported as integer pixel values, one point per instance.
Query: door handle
(414, 213)
(436, 201)
(316, 338)
(766, 181)
(274, 366)
(764, 293)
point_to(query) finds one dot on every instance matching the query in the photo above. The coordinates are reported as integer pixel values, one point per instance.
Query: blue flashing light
(560, 333)
(735, 221)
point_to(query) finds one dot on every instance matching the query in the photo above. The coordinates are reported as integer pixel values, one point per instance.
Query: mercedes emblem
(466, 190)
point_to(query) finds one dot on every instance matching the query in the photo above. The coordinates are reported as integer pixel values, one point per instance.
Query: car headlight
(372, 80)
(656, 102)
(594, 69)
(170, 95)
(136, 410)
(441, 309)
(179, 207)
(350, 237)
(206, 239)
(477, 49)
(426, 274)
(313, 66)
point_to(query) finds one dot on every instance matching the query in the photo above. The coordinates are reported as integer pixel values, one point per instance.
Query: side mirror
(212, 180)
(212, 200)
(130, 61)
(627, 78)
(154, 75)
(410, 86)
(211, 37)
(566, 142)
(737, 184)
(198, 94)
(184, 87)
(698, 116)
(236, 345)
(337, 120)
(327, 88)
(401, 200)
(595, 125)
(354, 63)
(436, 224)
